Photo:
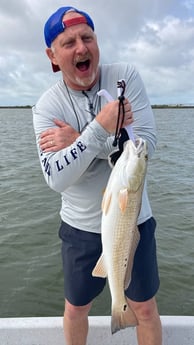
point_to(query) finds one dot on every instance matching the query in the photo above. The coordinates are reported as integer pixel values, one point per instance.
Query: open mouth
(83, 65)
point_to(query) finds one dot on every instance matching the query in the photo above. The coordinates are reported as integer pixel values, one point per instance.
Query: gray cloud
(156, 36)
(164, 52)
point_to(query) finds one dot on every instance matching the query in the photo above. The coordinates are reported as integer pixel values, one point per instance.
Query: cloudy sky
(157, 36)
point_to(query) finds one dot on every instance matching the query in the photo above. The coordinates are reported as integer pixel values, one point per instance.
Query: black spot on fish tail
(125, 264)
(124, 307)
(122, 318)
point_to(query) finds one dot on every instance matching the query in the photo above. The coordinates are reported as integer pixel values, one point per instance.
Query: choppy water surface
(31, 280)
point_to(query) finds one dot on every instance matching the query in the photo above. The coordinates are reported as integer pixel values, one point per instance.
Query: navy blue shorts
(80, 252)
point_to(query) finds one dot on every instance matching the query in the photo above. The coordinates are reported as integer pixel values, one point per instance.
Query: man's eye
(68, 44)
(87, 38)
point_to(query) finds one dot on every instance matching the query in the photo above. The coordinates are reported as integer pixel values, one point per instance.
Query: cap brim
(55, 68)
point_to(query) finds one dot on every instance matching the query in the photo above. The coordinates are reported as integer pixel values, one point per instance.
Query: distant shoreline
(171, 106)
(154, 106)
(15, 106)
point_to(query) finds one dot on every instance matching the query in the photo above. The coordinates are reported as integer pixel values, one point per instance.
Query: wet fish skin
(120, 236)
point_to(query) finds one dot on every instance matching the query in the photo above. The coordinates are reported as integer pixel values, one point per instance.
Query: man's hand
(108, 116)
(57, 138)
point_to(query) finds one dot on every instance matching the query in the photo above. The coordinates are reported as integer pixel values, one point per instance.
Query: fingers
(128, 114)
(52, 131)
(59, 123)
(128, 119)
(55, 139)
(127, 105)
(45, 133)
(50, 139)
(108, 116)
(47, 143)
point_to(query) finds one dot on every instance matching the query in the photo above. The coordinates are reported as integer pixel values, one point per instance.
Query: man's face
(76, 52)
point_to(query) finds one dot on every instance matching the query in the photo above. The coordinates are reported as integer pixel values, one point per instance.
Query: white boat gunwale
(177, 330)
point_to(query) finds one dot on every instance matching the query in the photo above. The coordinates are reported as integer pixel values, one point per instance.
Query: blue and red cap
(56, 25)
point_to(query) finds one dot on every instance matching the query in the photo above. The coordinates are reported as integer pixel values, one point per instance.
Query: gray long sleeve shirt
(80, 172)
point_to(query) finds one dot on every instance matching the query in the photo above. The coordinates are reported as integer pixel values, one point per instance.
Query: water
(31, 279)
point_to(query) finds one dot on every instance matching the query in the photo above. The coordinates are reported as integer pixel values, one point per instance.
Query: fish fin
(122, 318)
(123, 199)
(100, 268)
(134, 245)
(106, 202)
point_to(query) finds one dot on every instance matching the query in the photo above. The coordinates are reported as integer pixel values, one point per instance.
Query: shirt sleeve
(144, 122)
(63, 168)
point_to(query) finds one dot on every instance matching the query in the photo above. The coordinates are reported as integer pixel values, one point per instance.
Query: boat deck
(177, 330)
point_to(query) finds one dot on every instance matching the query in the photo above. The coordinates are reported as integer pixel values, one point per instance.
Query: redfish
(121, 205)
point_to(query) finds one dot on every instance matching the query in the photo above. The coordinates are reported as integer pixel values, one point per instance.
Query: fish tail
(122, 318)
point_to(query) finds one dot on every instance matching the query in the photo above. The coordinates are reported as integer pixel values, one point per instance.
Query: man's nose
(81, 47)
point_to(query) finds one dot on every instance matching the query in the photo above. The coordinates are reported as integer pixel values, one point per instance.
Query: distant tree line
(15, 106)
(164, 106)
(154, 106)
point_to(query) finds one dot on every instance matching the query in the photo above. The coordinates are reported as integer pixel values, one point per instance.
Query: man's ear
(51, 55)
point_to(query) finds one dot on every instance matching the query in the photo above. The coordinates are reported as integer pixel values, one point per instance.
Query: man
(74, 130)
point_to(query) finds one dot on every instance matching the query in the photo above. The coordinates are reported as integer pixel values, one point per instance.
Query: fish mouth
(141, 146)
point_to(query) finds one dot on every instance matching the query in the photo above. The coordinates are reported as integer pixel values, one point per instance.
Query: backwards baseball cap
(56, 25)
